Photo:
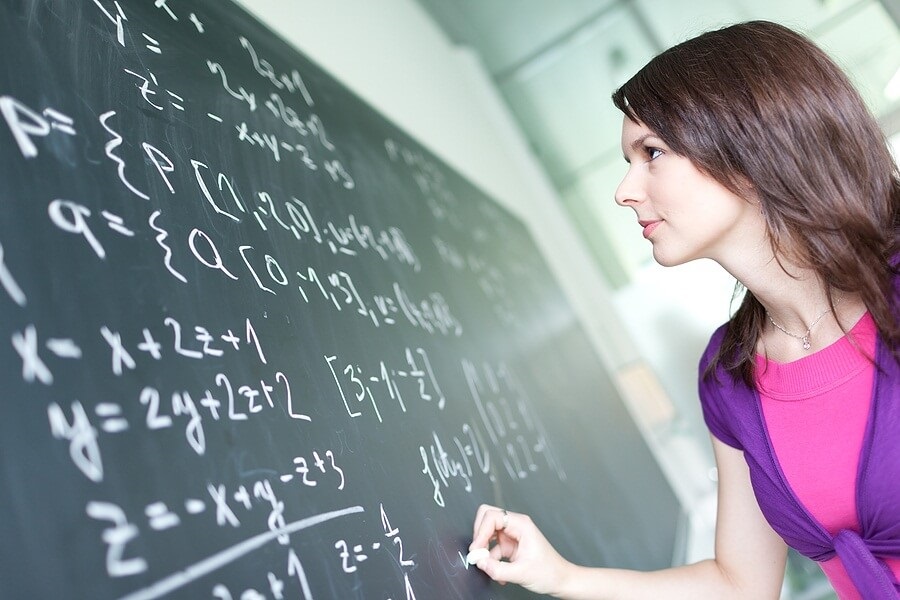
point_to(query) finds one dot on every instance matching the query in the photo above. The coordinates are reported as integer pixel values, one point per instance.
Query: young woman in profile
(749, 146)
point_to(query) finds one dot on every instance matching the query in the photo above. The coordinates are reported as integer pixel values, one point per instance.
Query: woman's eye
(653, 153)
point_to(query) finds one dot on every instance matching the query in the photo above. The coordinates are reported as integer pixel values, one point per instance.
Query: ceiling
(556, 62)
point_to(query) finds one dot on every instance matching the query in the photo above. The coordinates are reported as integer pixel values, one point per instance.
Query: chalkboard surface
(256, 342)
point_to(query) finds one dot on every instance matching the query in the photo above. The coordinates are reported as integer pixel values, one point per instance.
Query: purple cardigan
(734, 415)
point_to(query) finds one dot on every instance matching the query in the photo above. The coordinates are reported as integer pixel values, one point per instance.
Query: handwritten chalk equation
(292, 215)
(514, 435)
(35, 353)
(355, 386)
(81, 430)
(432, 313)
(121, 532)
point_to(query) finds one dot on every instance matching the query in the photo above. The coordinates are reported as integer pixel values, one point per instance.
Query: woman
(748, 146)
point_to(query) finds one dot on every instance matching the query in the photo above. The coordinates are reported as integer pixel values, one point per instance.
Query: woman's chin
(668, 259)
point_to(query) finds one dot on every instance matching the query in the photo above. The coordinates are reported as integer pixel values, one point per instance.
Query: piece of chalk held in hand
(477, 554)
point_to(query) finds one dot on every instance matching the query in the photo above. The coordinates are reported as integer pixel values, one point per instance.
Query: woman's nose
(629, 191)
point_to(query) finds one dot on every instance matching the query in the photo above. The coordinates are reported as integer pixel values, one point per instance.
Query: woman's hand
(521, 554)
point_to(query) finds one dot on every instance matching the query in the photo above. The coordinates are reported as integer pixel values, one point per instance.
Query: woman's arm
(749, 562)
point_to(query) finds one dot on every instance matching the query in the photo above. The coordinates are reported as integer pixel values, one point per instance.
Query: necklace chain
(805, 337)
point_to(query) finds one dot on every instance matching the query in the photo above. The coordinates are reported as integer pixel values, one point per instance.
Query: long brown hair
(759, 107)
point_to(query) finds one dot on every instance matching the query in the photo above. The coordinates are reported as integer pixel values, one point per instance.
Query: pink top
(815, 410)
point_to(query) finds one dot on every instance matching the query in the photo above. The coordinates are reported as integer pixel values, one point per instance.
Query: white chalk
(477, 554)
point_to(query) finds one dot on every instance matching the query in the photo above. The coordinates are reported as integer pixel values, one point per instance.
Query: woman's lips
(649, 226)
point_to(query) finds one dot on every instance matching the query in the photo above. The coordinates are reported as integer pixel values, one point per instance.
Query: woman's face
(685, 213)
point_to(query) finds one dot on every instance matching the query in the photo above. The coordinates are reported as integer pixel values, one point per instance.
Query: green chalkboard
(257, 342)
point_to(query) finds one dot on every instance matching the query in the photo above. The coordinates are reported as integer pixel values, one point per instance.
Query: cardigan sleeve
(713, 400)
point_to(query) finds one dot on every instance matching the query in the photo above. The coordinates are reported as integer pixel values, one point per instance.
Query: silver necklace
(805, 337)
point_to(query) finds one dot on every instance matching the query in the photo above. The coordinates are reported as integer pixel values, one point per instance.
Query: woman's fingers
(507, 543)
(493, 523)
(501, 571)
(479, 520)
(521, 553)
(489, 522)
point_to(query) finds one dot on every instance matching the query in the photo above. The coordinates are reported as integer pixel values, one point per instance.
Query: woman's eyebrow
(636, 144)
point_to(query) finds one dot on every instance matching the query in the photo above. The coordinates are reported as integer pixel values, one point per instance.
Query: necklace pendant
(806, 344)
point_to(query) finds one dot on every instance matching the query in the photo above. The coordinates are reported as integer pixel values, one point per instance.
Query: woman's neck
(800, 317)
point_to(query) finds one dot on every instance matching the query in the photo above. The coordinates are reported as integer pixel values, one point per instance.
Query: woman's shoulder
(723, 399)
